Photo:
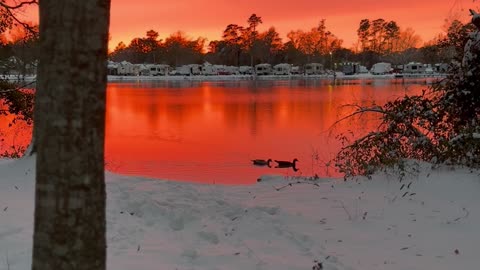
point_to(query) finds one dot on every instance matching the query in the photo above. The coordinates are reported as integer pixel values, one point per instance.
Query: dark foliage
(16, 101)
(441, 125)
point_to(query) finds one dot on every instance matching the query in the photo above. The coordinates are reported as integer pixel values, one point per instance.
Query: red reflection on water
(209, 131)
(14, 136)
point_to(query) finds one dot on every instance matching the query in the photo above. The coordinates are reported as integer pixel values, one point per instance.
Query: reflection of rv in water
(282, 69)
(313, 69)
(263, 69)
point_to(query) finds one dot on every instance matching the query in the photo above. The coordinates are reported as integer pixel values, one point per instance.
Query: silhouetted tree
(268, 46)
(233, 41)
(70, 199)
(377, 35)
(316, 44)
(181, 50)
(251, 34)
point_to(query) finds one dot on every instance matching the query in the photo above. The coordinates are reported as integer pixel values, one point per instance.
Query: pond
(210, 131)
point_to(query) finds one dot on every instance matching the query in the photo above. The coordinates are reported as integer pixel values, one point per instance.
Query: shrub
(441, 125)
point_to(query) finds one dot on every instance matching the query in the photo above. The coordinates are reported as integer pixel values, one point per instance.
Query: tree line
(378, 40)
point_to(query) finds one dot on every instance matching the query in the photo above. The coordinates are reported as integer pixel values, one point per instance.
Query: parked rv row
(128, 69)
(410, 68)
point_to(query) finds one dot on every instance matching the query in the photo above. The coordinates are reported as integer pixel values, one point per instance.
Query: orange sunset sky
(208, 18)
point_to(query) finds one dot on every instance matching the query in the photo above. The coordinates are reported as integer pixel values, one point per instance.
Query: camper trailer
(295, 70)
(414, 68)
(230, 70)
(313, 69)
(209, 69)
(350, 68)
(112, 68)
(245, 70)
(128, 69)
(441, 68)
(187, 70)
(158, 70)
(282, 69)
(381, 68)
(362, 69)
(263, 69)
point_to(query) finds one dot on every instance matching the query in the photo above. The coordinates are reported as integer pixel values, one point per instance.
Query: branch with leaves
(10, 12)
(18, 5)
(419, 127)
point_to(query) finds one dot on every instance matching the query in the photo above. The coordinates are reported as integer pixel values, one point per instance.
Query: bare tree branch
(19, 5)
(360, 110)
(9, 9)
(17, 89)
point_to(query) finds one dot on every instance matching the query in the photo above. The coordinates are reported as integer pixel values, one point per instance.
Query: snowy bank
(426, 222)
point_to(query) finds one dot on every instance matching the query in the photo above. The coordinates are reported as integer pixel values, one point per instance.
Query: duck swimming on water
(286, 164)
(261, 162)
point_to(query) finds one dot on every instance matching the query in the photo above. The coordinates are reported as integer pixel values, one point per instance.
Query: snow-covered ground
(430, 221)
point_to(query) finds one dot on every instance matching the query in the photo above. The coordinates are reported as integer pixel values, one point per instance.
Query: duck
(286, 164)
(262, 162)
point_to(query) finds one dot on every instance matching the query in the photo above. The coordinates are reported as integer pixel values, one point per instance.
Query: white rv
(295, 70)
(381, 68)
(362, 70)
(245, 70)
(188, 70)
(263, 69)
(158, 70)
(126, 68)
(112, 68)
(282, 69)
(414, 68)
(441, 68)
(231, 70)
(313, 69)
(226, 70)
(209, 69)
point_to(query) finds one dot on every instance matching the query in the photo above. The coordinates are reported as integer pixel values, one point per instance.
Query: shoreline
(206, 78)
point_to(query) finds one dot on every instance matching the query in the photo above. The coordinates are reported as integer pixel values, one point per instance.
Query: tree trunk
(69, 231)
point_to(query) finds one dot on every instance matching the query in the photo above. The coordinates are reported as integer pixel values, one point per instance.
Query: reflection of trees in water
(14, 137)
(195, 121)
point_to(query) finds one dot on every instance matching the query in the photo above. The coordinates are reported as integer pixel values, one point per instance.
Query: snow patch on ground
(426, 222)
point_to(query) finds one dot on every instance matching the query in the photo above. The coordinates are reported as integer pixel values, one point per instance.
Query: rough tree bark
(69, 231)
